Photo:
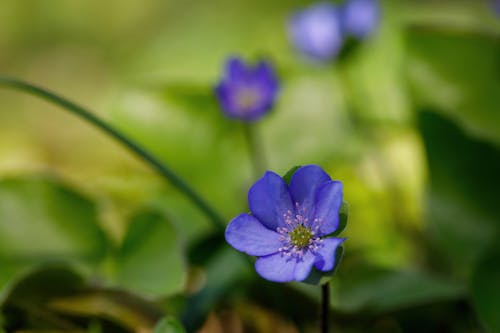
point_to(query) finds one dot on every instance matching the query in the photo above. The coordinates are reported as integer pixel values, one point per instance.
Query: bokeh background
(92, 240)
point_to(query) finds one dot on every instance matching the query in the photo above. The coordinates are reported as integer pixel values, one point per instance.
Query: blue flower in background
(360, 17)
(496, 6)
(288, 224)
(316, 31)
(247, 92)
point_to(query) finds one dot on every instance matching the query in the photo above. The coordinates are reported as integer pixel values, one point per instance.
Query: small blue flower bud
(247, 93)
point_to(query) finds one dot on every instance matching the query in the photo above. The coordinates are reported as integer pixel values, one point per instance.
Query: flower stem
(147, 156)
(255, 149)
(325, 307)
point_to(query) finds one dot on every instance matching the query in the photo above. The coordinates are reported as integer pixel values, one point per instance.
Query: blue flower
(496, 6)
(288, 224)
(316, 31)
(247, 92)
(360, 17)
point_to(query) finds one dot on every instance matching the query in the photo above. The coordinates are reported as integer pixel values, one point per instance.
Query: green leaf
(485, 288)
(42, 220)
(151, 260)
(168, 325)
(224, 272)
(457, 73)
(193, 97)
(343, 218)
(317, 277)
(462, 214)
(25, 303)
(378, 290)
(118, 307)
(44, 282)
(288, 175)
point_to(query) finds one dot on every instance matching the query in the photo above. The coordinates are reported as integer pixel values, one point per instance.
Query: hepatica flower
(360, 17)
(316, 31)
(319, 31)
(247, 92)
(288, 226)
(496, 6)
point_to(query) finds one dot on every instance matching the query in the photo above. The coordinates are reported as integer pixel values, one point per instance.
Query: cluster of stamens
(247, 98)
(299, 234)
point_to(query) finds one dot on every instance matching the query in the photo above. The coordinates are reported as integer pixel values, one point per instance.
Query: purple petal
(303, 267)
(360, 17)
(265, 75)
(280, 268)
(223, 93)
(235, 69)
(316, 31)
(269, 199)
(266, 82)
(328, 202)
(247, 92)
(246, 234)
(304, 183)
(496, 6)
(325, 257)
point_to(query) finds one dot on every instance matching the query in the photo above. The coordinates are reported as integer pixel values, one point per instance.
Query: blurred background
(92, 240)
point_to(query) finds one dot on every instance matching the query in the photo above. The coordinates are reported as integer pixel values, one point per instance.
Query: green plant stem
(255, 149)
(148, 157)
(325, 307)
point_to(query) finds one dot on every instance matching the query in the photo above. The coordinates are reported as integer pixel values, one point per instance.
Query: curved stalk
(145, 155)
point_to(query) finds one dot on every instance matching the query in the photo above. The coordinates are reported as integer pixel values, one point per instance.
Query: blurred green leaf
(168, 325)
(42, 220)
(486, 289)
(343, 218)
(462, 213)
(224, 272)
(151, 260)
(25, 303)
(44, 282)
(379, 290)
(197, 98)
(317, 277)
(457, 73)
(118, 307)
(288, 175)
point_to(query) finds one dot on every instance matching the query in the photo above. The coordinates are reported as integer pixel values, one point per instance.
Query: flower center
(247, 98)
(300, 236)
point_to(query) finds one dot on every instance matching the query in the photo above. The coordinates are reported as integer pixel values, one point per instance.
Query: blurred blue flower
(288, 224)
(316, 31)
(247, 92)
(360, 17)
(496, 6)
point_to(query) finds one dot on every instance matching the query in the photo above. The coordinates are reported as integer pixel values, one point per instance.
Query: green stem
(325, 307)
(148, 157)
(255, 149)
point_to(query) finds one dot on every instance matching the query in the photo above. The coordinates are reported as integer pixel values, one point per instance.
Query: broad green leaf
(25, 302)
(317, 277)
(42, 220)
(45, 282)
(378, 291)
(151, 260)
(168, 325)
(118, 307)
(344, 217)
(456, 72)
(485, 288)
(224, 271)
(462, 212)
